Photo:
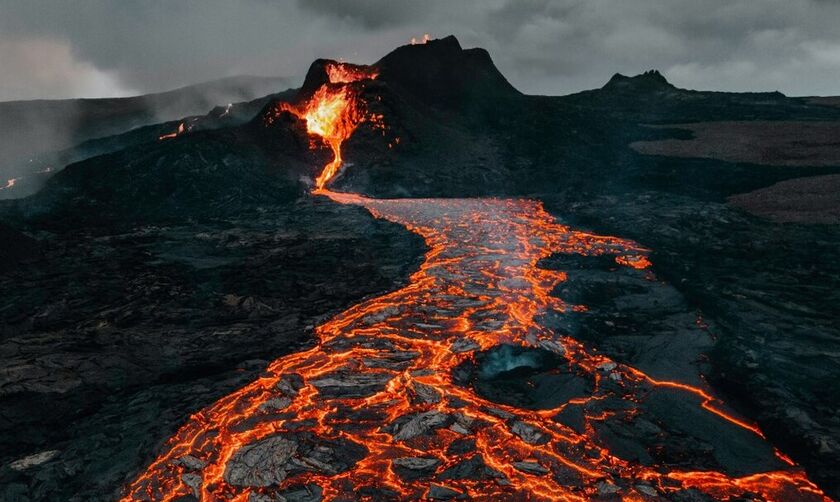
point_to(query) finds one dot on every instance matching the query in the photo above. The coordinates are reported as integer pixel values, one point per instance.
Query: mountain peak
(438, 72)
(651, 80)
(316, 76)
(441, 71)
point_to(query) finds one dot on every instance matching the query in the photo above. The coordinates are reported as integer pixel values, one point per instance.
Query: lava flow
(182, 128)
(375, 411)
(10, 183)
(334, 111)
(380, 409)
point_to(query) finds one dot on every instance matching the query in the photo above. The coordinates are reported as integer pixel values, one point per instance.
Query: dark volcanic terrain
(111, 339)
(39, 137)
(149, 278)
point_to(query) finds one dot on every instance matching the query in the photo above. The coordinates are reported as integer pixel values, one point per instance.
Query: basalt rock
(411, 426)
(528, 433)
(474, 468)
(16, 247)
(410, 468)
(269, 461)
(440, 492)
(343, 384)
(531, 468)
(261, 464)
(423, 393)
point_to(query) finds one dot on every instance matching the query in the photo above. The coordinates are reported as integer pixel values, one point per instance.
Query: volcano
(409, 280)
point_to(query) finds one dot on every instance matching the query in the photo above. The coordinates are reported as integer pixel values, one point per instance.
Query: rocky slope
(116, 335)
(39, 137)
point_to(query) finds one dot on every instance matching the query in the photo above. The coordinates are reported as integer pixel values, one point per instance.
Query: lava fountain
(334, 111)
(10, 183)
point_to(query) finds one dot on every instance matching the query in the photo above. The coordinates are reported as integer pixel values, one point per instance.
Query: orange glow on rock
(423, 40)
(9, 183)
(639, 262)
(344, 73)
(333, 115)
(334, 111)
(178, 131)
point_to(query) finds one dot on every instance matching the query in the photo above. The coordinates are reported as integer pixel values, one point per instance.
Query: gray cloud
(542, 46)
(374, 14)
(46, 68)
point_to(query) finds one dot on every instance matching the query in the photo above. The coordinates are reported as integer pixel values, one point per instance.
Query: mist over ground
(34, 133)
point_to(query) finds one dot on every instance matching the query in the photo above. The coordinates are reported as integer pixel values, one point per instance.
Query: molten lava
(334, 111)
(377, 392)
(333, 115)
(176, 132)
(9, 183)
(373, 411)
(423, 40)
(344, 73)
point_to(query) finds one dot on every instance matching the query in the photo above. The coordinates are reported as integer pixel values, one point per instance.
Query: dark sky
(54, 49)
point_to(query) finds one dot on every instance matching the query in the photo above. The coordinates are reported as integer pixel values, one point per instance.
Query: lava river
(373, 411)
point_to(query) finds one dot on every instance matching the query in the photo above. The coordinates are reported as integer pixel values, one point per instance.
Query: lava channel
(334, 112)
(373, 411)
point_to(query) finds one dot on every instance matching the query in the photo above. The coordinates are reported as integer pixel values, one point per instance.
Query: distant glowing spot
(423, 40)
(637, 261)
(10, 183)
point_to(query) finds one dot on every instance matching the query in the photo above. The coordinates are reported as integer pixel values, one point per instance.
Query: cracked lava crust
(372, 411)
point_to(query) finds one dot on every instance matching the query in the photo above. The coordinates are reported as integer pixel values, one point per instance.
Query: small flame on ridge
(423, 40)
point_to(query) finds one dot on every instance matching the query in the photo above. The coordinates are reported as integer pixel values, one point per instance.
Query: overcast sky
(59, 49)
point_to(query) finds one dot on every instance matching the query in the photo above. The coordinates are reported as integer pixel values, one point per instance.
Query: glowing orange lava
(639, 262)
(344, 73)
(334, 111)
(381, 378)
(423, 40)
(332, 115)
(10, 183)
(180, 130)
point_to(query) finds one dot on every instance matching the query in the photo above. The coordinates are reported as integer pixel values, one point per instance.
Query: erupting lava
(182, 128)
(345, 73)
(9, 183)
(374, 412)
(334, 111)
(423, 40)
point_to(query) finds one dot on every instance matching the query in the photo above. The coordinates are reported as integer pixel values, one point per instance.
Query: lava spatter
(180, 130)
(334, 111)
(374, 412)
(345, 73)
